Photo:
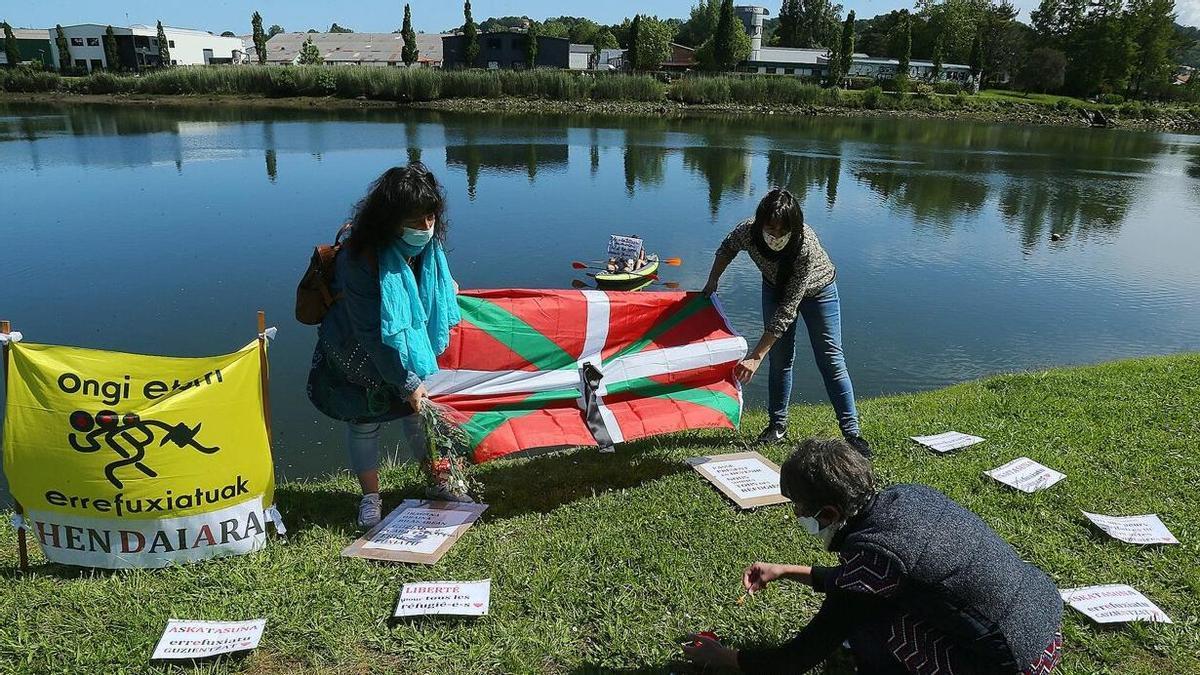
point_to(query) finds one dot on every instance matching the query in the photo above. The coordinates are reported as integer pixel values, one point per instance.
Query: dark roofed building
(507, 49)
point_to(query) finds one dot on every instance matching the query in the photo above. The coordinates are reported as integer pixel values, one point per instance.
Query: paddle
(579, 265)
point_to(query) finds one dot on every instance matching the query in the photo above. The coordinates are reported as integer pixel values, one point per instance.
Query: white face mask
(813, 526)
(776, 243)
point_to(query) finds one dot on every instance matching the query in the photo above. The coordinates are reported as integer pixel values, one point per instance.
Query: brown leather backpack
(314, 295)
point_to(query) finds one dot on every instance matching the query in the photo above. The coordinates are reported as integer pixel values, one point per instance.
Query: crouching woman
(922, 585)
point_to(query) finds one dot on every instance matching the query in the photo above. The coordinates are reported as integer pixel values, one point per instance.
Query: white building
(865, 66)
(778, 60)
(138, 47)
(581, 57)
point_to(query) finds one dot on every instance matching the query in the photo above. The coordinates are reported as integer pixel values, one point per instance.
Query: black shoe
(774, 433)
(860, 444)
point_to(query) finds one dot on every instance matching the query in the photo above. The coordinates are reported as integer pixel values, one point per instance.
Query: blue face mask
(415, 237)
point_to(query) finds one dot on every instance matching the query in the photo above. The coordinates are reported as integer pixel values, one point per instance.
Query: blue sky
(385, 15)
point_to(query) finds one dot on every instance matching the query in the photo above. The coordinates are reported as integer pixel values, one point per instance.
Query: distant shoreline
(1013, 112)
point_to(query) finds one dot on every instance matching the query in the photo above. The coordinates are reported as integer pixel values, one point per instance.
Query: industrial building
(33, 44)
(138, 47)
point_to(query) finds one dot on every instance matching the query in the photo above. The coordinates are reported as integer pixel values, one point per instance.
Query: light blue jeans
(362, 443)
(822, 315)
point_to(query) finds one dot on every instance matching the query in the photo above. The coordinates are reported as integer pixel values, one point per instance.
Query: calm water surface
(162, 231)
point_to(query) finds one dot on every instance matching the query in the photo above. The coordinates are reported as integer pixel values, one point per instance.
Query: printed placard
(951, 440)
(748, 478)
(1113, 603)
(1147, 529)
(1026, 475)
(624, 247)
(455, 598)
(418, 531)
(184, 639)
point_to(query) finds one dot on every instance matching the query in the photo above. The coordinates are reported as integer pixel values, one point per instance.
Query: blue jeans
(822, 316)
(362, 443)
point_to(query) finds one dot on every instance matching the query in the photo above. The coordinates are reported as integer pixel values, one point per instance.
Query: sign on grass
(748, 478)
(418, 531)
(951, 440)
(1147, 529)
(185, 639)
(457, 598)
(1113, 603)
(1026, 475)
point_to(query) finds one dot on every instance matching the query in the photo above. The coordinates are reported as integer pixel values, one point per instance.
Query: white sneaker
(370, 511)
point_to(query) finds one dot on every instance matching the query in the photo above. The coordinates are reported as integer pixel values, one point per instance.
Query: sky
(384, 16)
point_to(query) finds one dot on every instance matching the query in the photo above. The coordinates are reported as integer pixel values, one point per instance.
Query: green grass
(599, 562)
(1046, 99)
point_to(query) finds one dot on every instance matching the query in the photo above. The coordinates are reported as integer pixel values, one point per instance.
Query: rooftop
(354, 47)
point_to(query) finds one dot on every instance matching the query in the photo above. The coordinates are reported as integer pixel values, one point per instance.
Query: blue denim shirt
(355, 376)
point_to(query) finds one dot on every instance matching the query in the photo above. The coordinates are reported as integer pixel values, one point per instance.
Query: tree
(725, 39)
(334, 28)
(1004, 42)
(902, 67)
(276, 29)
(654, 42)
(64, 49)
(310, 55)
(470, 37)
(164, 53)
(701, 24)
(635, 39)
(260, 39)
(111, 55)
(816, 23)
(11, 52)
(1152, 23)
(786, 33)
(408, 53)
(1043, 71)
(840, 64)
(531, 46)
(935, 73)
(976, 63)
(228, 33)
(606, 40)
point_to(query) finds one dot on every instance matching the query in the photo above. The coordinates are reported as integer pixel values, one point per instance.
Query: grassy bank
(599, 562)
(418, 86)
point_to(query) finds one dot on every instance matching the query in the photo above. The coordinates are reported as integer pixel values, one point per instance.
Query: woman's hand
(744, 371)
(417, 398)
(705, 651)
(757, 576)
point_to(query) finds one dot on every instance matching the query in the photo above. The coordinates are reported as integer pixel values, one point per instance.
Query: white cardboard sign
(458, 598)
(748, 478)
(1147, 529)
(951, 440)
(1026, 475)
(418, 530)
(1113, 603)
(624, 247)
(184, 639)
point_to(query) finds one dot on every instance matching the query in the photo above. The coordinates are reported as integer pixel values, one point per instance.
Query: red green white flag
(516, 371)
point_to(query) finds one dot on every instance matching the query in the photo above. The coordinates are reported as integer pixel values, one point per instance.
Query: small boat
(634, 280)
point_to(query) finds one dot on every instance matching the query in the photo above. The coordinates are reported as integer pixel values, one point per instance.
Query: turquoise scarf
(416, 320)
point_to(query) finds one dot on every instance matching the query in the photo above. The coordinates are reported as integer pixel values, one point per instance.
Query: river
(160, 230)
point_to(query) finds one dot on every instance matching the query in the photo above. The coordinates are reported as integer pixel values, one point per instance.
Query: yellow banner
(126, 460)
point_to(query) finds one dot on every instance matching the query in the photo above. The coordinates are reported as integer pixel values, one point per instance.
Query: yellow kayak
(623, 278)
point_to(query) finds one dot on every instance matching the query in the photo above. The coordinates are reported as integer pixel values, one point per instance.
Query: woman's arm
(745, 370)
(720, 263)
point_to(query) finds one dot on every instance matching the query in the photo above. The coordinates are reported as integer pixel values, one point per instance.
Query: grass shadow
(541, 483)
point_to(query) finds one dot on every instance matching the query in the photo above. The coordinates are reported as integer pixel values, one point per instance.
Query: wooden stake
(22, 541)
(264, 375)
